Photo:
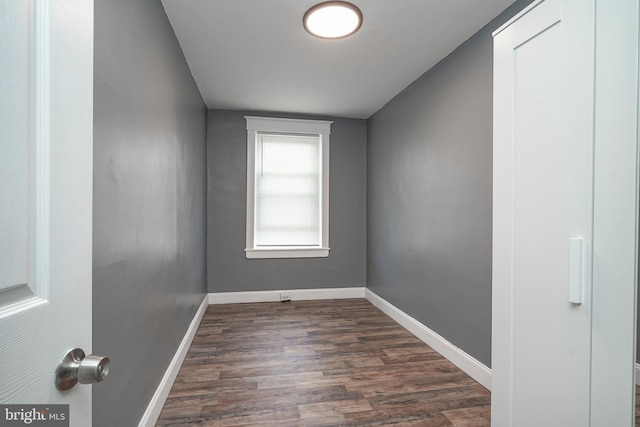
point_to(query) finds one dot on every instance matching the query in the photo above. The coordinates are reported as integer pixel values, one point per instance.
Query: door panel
(538, 259)
(14, 157)
(46, 113)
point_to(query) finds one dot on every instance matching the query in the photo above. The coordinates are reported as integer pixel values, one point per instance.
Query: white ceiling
(255, 54)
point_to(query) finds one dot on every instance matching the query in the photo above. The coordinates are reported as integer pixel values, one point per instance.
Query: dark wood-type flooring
(637, 406)
(317, 363)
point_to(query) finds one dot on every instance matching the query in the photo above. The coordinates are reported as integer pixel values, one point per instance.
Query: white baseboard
(637, 373)
(295, 294)
(150, 416)
(472, 367)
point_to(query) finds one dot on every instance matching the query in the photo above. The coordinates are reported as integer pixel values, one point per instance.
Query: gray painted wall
(430, 195)
(227, 267)
(149, 266)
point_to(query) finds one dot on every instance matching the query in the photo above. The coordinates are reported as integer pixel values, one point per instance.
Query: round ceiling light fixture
(332, 19)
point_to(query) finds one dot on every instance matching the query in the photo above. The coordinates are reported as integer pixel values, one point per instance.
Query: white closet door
(543, 216)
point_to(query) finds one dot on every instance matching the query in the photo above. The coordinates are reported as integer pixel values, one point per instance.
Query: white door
(565, 214)
(46, 116)
(543, 216)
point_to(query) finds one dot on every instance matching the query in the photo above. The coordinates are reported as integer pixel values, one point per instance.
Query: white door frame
(615, 213)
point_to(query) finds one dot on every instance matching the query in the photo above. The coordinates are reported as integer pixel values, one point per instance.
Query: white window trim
(299, 126)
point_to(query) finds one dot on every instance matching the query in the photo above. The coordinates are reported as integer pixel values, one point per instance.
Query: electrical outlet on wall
(285, 296)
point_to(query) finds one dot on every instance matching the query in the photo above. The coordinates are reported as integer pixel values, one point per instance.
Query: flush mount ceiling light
(332, 19)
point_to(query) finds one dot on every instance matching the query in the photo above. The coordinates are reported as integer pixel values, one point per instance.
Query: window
(287, 188)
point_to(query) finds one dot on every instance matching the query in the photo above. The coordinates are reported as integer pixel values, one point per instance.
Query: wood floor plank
(314, 364)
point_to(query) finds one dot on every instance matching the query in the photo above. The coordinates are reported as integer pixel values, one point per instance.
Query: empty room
(259, 213)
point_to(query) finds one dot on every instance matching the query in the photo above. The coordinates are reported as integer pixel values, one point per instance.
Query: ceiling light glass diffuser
(333, 19)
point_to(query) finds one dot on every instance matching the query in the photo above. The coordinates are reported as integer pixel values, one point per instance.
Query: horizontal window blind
(288, 190)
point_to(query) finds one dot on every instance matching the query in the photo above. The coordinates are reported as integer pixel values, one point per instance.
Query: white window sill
(287, 253)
